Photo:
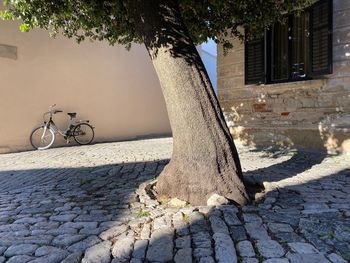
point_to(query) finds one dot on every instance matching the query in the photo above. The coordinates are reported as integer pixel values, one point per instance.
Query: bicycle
(44, 136)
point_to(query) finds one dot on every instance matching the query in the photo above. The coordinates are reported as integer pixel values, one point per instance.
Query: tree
(204, 160)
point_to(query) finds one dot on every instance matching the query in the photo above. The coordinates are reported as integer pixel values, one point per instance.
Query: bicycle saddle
(72, 114)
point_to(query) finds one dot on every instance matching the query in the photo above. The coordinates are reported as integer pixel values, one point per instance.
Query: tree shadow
(300, 162)
(98, 213)
(63, 211)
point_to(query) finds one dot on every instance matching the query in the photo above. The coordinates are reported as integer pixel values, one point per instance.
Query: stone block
(340, 5)
(341, 18)
(234, 56)
(341, 52)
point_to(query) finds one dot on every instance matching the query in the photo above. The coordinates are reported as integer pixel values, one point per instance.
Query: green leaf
(6, 15)
(24, 27)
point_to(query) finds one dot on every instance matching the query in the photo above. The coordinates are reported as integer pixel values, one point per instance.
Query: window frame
(268, 51)
(269, 54)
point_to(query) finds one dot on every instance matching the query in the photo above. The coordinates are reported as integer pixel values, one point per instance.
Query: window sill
(299, 83)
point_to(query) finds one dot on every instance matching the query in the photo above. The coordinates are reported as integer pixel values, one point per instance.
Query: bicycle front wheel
(83, 133)
(42, 138)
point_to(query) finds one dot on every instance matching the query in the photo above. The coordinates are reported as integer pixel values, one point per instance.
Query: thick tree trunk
(204, 160)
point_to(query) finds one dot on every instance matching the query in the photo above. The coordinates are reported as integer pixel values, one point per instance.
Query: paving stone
(123, 247)
(20, 259)
(113, 232)
(73, 258)
(201, 240)
(12, 227)
(309, 258)
(231, 218)
(335, 258)
(180, 224)
(218, 225)
(79, 225)
(66, 240)
(2, 259)
(289, 237)
(140, 248)
(201, 252)
(245, 249)
(270, 248)
(257, 231)
(183, 242)
(98, 253)
(62, 230)
(287, 217)
(46, 250)
(183, 255)
(22, 249)
(208, 259)
(2, 249)
(228, 208)
(21, 233)
(51, 258)
(276, 260)
(63, 218)
(92, 218)
(197, 222)
(146, 231)
(39, 240)
(252, 218)
(29, 220)
(161, 245)
(279, 227)
(160, 222)
(250, 260)
(238, 233)
(224, 248)
(84, 244)
(302, 248)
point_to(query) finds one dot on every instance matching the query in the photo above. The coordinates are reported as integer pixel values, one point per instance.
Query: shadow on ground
(100, 214)
(300, 162)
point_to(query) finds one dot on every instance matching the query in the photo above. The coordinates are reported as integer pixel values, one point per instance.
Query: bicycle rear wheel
(83, 133)
(42, 138)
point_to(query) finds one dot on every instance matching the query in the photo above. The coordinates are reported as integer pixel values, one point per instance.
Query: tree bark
(204, 159)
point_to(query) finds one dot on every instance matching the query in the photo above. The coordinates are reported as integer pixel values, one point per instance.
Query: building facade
(117, 90)
(291, 88)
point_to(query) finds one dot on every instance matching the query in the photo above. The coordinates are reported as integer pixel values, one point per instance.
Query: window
(298, 49)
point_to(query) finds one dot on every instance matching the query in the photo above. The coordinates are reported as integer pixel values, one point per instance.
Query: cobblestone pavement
(90, 204)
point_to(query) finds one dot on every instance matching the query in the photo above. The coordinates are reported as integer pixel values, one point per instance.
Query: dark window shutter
(254, 61)
(321, 38)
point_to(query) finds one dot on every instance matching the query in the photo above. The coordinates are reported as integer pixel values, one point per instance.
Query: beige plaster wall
(116, 89)
(307, 114)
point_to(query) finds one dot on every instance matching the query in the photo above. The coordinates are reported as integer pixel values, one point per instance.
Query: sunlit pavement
(88, 204)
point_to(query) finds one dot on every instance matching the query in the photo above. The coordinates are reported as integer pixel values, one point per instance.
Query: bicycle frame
(50, 124)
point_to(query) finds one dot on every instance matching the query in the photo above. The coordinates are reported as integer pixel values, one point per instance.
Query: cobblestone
(98, 253)
(89, 204)
(270, 248)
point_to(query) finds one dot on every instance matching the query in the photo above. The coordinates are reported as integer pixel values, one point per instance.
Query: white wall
(116, 89)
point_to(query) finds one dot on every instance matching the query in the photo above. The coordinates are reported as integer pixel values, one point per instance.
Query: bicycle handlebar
(51, 111)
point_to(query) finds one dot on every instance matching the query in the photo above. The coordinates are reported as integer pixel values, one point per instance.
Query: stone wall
(306, 114)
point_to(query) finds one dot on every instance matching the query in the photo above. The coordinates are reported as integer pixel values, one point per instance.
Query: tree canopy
(111, 20)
